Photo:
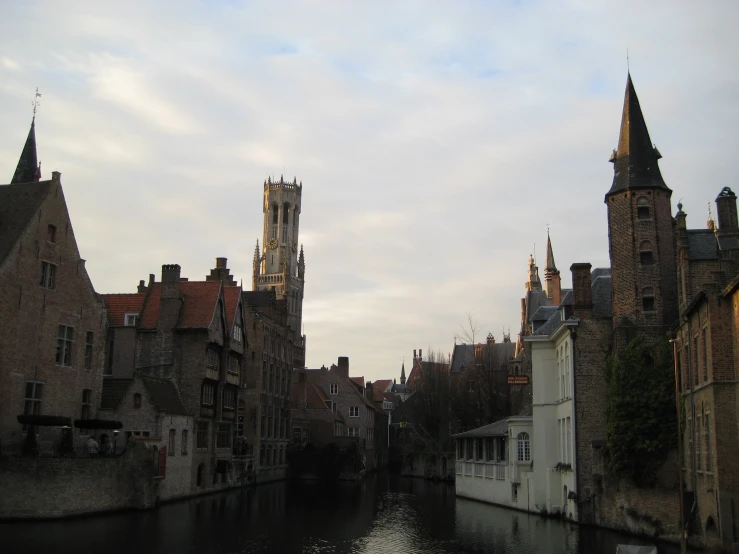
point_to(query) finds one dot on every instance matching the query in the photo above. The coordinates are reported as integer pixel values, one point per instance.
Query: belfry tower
(641, 237)
(277, 265)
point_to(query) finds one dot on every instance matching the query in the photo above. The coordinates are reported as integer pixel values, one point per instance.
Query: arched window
(645, 253)
(137, 401)
(524, 447)
(642, 208)
(275, 214)
(171, 446)
(295, 214)
(647, 299)
(286, 213)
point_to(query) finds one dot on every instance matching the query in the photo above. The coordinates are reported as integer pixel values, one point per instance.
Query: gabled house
(53, 322)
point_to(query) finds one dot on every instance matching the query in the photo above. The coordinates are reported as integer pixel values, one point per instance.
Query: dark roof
(534, 300)
(118, 305)
(702, 245)
(18, 204)
(550, 324)
(601, 293)
(397, 387)
(635, 163)
(550, 255)
(728, 243)
(231, 296)
(113, 392)
(198, 305)
(598, 271)
(25, 172)
(259, 297)
(497, 429)
(164, 395)
(544, 313)
(568, 298)
(464, 354)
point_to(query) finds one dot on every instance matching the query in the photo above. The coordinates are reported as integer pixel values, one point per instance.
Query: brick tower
(277, 265)
(640, 233)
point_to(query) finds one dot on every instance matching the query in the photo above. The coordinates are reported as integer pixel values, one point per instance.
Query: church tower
(277, 266)
(640, 233)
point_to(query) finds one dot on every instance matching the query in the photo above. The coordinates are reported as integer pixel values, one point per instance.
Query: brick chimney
(142, 286)
(170, 299)
(221, 273)
(726, 208)
(343, 367)
(369, 390)
(582, 291)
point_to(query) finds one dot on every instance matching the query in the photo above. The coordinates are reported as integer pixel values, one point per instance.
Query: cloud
(435, 141)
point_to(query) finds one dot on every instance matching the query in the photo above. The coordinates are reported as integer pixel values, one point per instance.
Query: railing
(469, 468)
(460, 468)
(271, 278)
(489, 471)
(500, 471)
(478, 469)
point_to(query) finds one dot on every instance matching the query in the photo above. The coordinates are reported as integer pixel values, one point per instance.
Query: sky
(436, 141)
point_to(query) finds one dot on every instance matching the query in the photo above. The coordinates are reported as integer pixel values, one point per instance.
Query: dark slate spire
(28, 168)
(635, 162)
(402, 374)
(550, 256)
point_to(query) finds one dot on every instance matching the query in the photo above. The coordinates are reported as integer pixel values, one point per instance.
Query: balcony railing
(478, 469)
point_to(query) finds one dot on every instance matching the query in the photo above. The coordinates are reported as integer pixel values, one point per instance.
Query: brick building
(268, 381)
(190, 335)
(706, 346)
(53, 322)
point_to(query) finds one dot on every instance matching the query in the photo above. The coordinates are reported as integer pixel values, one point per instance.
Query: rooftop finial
(36, 102)
(628, 68)
(711, 223)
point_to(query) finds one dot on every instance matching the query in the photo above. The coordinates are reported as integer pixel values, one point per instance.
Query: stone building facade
(52, 322)
(708, 366)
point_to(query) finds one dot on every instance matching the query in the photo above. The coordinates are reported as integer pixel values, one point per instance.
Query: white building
(494, 463)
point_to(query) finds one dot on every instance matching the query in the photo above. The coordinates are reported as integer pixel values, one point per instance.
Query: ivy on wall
(641, 425)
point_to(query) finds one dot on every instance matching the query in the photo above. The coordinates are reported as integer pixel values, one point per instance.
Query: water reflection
(378, 515)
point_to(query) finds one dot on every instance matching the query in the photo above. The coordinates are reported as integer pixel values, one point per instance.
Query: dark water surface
(382, 514)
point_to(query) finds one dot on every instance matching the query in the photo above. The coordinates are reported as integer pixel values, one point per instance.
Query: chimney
(343, 367)
(141, 287)
(420, 354)
(726, 207)
(170, 300)
(414, 353)
(368, 390)
(170, 273)
(490, 339)
(582, 289)
(221, 263)
(221, 273)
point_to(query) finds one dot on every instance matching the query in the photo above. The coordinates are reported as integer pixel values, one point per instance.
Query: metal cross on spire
(36, 102)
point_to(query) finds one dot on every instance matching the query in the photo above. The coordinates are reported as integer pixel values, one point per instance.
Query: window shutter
(162, 462)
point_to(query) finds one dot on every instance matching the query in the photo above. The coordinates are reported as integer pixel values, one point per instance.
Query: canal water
(381, 514)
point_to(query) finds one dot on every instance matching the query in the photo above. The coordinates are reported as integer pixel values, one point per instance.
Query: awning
(45, 420)
(97, 424)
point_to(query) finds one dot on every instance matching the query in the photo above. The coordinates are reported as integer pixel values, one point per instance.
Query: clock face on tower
(272, 243)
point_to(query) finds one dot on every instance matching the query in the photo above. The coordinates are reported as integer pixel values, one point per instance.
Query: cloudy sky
(435, 141)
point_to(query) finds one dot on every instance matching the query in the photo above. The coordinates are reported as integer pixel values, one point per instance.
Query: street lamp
(115, 436)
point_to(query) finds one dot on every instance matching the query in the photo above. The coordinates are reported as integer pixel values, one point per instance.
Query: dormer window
(642, 208)
(51, 233)
(237, 333)
(131, 320)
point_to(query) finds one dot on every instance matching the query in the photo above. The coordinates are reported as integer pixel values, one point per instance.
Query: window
(34, 395)
(297, 435)
(387, 405)
(229, 399)
(698, 449)
(237, 333)
(514, 493)
(352, 431)
(233, 365)
(86, 403)
(567, 370)
(707, 441)
(333, 388)
(705, 354)
(88, 350)
(223, 435)
(647, 299)
(64, 345)
(264, 376)
(275, 214)
(137, 401)
(208, 393)
(331, 405)
(642, 208)
(211, 359)
(183, 447)
(48, 275)
(51, 233)
(201, 434)
(338, 430)
(370, 434)
(353, 411)
(524, 447)
(568, 433)
(645, 253)
(170, 448)
(131, 320)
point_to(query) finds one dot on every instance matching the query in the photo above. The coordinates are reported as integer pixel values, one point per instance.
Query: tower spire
(551, 275)
(635, 160)
(402, 373)
(550, 255)
(28, 169)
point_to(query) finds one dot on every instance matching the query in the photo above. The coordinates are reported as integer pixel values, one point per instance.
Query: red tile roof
(118, 305)
(231, 297)
(198, 304)
(382, 384)
(359, 381)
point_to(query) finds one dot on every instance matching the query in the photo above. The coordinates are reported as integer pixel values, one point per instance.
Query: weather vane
(35, 102)
(628, 68)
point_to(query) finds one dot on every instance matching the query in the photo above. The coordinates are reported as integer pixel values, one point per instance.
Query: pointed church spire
(550, 255)
(551, 276)
(402, 374)
(28, 169)
(635, 161)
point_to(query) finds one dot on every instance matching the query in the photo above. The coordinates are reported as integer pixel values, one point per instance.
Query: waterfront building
(53, 322)
(707, 339)
(495, 462)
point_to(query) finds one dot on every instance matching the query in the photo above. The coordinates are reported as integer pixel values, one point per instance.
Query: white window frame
(333, 388)
(352, 431)
(130, 319)
(353, 411)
